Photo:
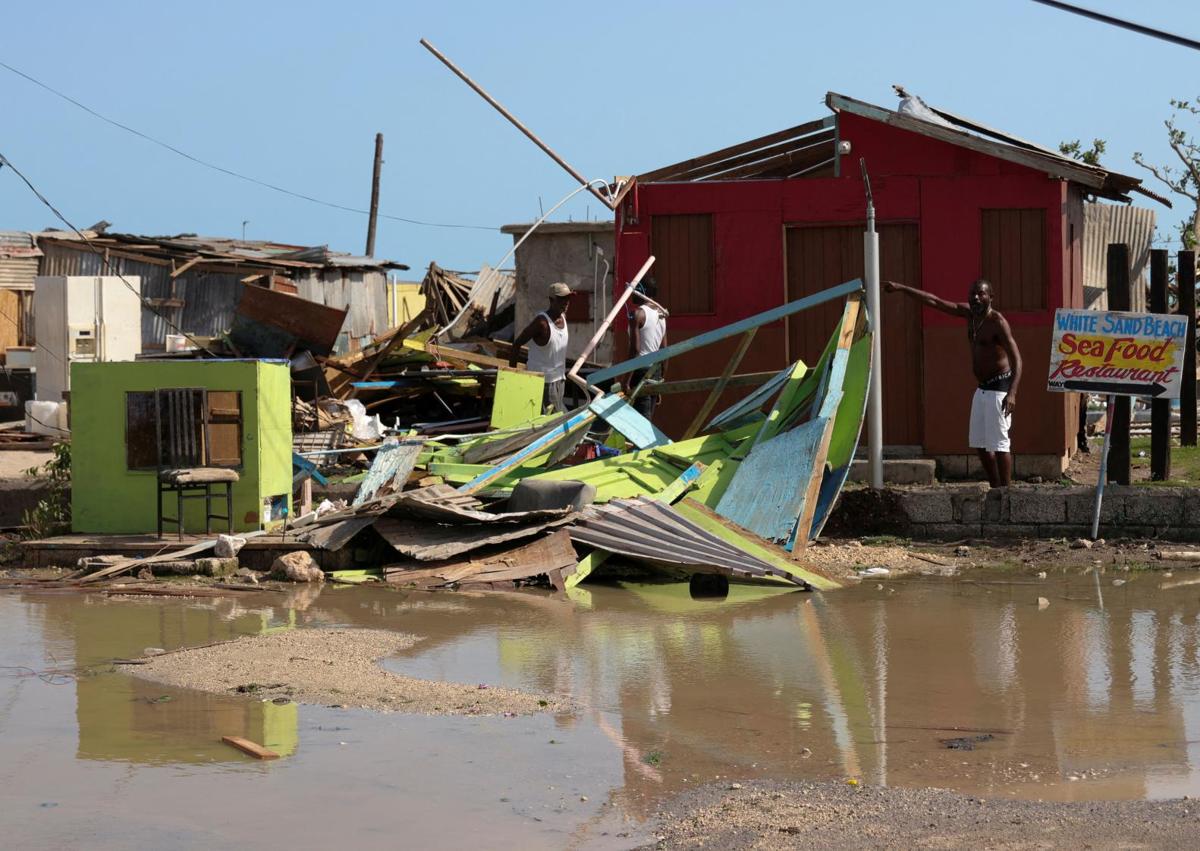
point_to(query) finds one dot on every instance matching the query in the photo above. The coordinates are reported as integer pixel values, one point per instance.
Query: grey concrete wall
(951, 512)
(567, 251)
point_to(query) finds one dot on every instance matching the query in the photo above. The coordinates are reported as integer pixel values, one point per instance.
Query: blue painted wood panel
(766, 494)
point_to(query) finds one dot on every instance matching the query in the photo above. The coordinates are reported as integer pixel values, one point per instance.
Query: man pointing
(996, 362)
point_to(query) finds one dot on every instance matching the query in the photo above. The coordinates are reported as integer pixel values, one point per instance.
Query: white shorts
(989, 423)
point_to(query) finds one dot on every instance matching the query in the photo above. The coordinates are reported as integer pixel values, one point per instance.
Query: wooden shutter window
(1014, 257)
(682, 246)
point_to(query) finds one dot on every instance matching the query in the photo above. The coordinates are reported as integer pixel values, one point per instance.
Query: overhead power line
(226, 171)
(1122, 23)
(103, 256)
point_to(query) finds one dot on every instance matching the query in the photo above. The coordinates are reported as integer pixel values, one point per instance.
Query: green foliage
(52, 515)
(1075, 149)
(1182, 179)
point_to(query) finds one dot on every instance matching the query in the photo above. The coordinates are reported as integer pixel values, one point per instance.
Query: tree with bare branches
(1181, 179)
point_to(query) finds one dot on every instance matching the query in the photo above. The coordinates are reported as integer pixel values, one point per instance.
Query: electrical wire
(227, 171)
(108, 268)
(1112, 20)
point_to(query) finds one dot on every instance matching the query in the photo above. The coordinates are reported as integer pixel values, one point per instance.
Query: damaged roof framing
(811, 150)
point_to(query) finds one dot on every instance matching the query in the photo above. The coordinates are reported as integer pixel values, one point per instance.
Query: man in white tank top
(647, 333)
(546, 337)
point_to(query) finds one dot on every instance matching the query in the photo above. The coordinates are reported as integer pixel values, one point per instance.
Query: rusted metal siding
(363, 294)
(18, 260)
(1108, 223)
(210, 298)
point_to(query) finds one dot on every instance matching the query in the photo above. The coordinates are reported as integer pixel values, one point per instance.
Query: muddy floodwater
(962, 684)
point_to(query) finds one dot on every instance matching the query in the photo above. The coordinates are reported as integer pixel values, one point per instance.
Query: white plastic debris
(365, 427)
(228, 546)
(875, 571)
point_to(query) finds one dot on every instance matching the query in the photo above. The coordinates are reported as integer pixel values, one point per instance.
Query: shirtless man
(997, 365)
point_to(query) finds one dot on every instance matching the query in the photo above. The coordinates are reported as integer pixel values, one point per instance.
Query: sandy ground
(337, 667)
(838, 815)
(14, 462)
(847, 559)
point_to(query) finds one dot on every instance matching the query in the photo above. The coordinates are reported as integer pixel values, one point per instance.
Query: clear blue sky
(293, 94)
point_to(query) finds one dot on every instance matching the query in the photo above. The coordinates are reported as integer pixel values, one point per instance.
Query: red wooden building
(744, 229)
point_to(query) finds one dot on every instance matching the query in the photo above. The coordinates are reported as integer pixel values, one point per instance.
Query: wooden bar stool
(184, 469)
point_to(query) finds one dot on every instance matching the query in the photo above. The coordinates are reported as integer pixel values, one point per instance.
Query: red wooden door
(824, 256)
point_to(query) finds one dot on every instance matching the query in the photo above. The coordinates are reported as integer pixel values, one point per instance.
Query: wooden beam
(673, 171)
(179, 270)
(829, 413)
(248, 747)
(398, 336)
(577, 420)
(1186, 264)
(702, 415)
(696, 385)
(821, 149)
(731, 330)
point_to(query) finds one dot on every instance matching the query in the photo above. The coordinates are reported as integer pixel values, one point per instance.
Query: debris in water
(966, 743)
(248, 747)
(1042, 602)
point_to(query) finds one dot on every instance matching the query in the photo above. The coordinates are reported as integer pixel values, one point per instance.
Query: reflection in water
(680, 689)
(124, 718)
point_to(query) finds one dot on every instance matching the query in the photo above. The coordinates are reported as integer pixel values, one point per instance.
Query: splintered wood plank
(542, 557)
(248, 747)
(719, 387)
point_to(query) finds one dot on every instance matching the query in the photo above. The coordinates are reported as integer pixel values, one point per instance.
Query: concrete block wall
(954, 511)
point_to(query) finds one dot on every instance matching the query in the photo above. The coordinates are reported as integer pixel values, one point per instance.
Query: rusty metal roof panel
(1108, 223)
(652, 531)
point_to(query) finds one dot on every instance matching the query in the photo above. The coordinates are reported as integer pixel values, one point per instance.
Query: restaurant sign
(1111, 352)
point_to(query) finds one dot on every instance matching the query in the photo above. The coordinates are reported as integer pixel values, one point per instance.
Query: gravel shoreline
(334, 667)
(838, 815)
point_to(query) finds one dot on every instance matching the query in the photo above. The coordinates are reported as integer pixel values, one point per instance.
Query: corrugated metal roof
(653, 531)
(18, 260)
(185, 247)
(1110, 223)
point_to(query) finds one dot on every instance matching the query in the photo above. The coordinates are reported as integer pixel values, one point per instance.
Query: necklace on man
(975, 326)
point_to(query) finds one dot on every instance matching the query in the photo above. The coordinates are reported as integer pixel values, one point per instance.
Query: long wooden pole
(573, 375)
(730, 367)
(1160, 409)
(371, 220)
(1119, 299)
(516, 122)
(1187, 307)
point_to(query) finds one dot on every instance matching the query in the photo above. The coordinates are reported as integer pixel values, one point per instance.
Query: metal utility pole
(875, 391)
(374, 195)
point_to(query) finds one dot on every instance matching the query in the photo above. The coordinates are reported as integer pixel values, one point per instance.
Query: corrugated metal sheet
(654, 532)
(364, 294)
(1108, 223)
(18, 260)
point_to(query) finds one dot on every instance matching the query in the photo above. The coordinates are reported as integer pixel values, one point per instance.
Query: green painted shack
(115, 442)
